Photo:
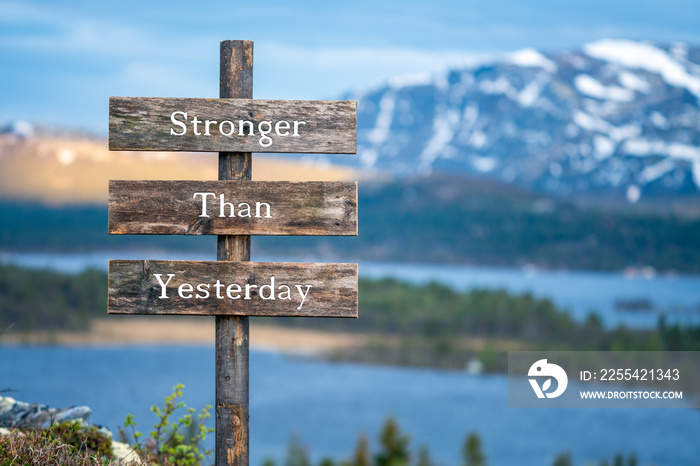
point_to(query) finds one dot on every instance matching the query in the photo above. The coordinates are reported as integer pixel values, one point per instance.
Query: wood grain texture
(134, 288)
(232, 341)
(171, 208)
(144, 123)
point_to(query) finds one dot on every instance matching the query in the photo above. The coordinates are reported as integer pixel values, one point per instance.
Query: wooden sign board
(232, 208)
(232, 288)
(232, 125)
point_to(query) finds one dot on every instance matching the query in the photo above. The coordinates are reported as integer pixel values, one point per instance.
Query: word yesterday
(243, 207)
(233, 290)
(228, 128)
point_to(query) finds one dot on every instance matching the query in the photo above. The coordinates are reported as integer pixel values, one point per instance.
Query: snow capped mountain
(617, 115)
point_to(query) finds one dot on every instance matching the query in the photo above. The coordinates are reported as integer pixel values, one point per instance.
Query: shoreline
(130, 330)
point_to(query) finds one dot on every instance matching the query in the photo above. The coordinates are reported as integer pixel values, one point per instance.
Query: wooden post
(232, 412)
(145, 124)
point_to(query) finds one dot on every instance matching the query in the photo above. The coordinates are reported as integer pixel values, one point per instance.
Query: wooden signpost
(239, 288)
(208, 125)
(228, 207)
(232, 208)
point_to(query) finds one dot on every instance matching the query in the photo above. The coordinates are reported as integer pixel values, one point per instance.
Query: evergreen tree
(362, 456)
(563, 459)
(394, 445)
(424, 457)
(471, 451)
(297, 454)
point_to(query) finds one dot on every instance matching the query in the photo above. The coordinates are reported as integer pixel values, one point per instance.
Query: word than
(233, 208)
(228, 128)
(233, 291)
(243, 207)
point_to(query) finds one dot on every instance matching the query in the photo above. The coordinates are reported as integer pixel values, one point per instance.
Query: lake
(329, 404)
(633, 299)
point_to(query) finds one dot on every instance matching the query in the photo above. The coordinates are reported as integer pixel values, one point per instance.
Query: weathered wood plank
(297, 126)
(232, 288)
(260, 208)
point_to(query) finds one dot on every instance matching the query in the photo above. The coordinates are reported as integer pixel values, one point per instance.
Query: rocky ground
(18, 416)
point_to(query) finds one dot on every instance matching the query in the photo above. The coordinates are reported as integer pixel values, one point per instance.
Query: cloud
(162, 80)
(79, 51)
(57, 29)
(361, 57)
(327, 72)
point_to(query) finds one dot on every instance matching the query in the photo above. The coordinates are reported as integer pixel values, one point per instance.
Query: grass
(63, 444)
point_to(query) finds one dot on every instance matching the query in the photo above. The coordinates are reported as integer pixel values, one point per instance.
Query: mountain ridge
(615, 117)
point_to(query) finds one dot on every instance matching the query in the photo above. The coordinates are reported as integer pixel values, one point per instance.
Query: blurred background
(529, 179)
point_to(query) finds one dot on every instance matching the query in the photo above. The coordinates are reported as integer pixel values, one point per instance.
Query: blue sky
(60, 60)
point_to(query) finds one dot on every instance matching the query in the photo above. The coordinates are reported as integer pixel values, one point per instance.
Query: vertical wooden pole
(235, 81)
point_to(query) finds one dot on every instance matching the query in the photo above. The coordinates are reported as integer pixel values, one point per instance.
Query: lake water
(675, 296)
(329, 404)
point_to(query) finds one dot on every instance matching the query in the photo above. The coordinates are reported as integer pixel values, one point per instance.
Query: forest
(418, 325)
(429, 220)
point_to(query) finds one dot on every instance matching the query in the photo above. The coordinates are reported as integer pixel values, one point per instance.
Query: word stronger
(228, 128)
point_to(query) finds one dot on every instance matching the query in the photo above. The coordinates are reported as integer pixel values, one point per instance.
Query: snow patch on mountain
(444, 127)
(616, 115)
(531, 58)
(640, 55)
(634, 82)
(416, 79)
(589, 86)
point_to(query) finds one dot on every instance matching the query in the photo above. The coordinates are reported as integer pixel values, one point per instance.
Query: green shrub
(83, 438)
(44, 447)
(172, 442)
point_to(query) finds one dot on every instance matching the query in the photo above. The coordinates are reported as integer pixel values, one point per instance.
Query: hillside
(433, 219)
(581, 159)
(76, 169)
(444, 219)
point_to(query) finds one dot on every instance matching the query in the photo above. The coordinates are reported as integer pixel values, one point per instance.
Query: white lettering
(206, 126)
(248, 286)
(282, 125)
(205, 292)
(250, 127)
(195, 122)
(303, 295)
(227, 128)
(258, 205)
(204, 202)
(163, 285)
(287, 292)
(243, 209)
(266, 291)
(185, 288)
(178, 123)
(221, 128)
(271, 287)
(223, 204)
(218, 285)
(265, 140)
(231, 288)
(296, 127)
